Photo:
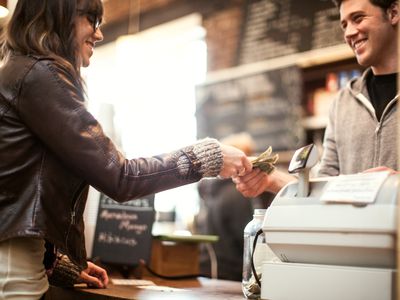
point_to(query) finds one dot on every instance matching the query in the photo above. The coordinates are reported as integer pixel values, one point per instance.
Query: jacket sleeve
(330, 162)
(53, 108)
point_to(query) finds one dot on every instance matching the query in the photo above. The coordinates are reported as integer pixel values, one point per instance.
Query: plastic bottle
(250, 286)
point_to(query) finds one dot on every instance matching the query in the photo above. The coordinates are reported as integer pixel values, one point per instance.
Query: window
(142, 90)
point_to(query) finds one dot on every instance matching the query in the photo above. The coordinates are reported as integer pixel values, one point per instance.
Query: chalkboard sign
(281, 27)
(267, 105)
(123, 230)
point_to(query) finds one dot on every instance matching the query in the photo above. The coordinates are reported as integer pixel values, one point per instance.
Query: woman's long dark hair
(47, 28)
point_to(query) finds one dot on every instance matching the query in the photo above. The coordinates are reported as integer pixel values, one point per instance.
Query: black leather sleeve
(53, 109)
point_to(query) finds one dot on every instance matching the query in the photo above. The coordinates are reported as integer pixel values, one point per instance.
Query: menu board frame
(123, 234)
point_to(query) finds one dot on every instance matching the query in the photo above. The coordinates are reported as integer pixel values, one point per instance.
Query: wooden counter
(188, 289)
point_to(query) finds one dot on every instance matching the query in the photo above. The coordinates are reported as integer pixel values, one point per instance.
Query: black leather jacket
(52, 148)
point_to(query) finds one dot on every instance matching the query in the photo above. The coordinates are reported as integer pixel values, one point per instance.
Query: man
(362, 130)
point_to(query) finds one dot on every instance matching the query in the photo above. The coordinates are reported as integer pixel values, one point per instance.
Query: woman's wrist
(209, 153)
(203, 159)
(65, 273)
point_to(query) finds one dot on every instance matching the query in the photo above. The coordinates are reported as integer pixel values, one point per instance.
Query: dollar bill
(266, 161)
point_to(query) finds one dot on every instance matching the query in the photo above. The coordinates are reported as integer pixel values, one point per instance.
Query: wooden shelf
(313, 67)
(303, 60)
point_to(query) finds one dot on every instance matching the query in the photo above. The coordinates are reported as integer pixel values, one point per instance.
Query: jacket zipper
(76, 198)
(378, 128)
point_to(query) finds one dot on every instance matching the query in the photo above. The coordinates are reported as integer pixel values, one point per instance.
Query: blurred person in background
(225, 212)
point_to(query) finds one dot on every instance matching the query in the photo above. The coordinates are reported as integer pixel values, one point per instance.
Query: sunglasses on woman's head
(93, 18)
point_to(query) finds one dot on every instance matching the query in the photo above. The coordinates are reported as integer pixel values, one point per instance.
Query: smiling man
(362, 130)
(369, 28)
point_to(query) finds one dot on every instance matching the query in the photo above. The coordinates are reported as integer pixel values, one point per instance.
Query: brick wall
(222, 20)
(223, 33)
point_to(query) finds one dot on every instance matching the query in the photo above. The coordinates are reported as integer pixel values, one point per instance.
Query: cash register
(335, 237)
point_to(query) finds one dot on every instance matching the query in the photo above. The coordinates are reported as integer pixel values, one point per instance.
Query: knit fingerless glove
(203, 159)
(65, 273)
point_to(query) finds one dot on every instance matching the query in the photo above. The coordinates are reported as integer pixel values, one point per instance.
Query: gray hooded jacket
(354, 139)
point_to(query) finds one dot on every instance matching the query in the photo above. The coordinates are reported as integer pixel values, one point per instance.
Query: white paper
(136, 282)
(161, 288)
(359, 188)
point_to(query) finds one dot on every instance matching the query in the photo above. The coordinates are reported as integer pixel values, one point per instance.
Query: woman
(51, 149)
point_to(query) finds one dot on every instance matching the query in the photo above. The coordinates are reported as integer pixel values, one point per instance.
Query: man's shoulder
(351, 91)
(358, 84)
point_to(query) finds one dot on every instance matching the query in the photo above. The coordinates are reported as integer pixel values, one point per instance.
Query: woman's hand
(236, 163)
(94, 276)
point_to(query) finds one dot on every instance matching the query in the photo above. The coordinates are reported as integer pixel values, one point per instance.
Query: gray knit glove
(203, 159)
(65, 273)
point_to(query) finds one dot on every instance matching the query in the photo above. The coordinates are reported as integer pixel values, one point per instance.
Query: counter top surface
(188, 289)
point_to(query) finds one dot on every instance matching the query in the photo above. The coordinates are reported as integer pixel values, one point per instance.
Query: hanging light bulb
(3, 8)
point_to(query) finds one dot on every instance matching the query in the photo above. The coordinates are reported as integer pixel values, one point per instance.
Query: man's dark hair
(384, 4)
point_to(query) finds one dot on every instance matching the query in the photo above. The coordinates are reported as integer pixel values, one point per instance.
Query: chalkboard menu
(123, 230)
(281, 27)
(267, 105)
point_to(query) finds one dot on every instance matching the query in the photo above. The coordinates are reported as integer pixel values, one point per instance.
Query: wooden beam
(118, 13)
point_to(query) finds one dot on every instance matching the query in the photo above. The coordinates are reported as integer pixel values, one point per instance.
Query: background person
(225, 212)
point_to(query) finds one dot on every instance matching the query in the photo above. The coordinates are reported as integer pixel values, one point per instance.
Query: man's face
(369, 31)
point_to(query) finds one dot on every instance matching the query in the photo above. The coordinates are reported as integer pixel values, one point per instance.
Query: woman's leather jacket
(52, 148)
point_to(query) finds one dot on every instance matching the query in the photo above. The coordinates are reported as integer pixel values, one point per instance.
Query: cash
(266, 161)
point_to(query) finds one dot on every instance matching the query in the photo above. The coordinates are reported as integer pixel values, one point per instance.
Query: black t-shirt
(381, 89)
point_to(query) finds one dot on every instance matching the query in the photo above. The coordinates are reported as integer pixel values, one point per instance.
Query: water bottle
(251, 283)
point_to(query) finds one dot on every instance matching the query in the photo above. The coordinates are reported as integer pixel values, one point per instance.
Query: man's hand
(381, 169)
(256, 182)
